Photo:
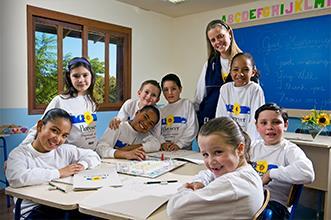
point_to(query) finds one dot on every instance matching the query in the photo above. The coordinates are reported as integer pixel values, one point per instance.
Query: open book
(185, 155)
(123, 203)
(101, 176)
(134, 200)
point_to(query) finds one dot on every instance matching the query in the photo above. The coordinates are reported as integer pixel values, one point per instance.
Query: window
(54, 38)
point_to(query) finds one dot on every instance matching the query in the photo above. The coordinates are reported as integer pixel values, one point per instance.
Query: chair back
(293, 198)
(260, 213)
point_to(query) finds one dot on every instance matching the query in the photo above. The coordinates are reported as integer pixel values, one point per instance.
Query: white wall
(160, 44)
(151, 41)
(1, 57)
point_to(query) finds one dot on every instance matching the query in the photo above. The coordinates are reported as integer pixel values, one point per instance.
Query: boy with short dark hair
(289, 162)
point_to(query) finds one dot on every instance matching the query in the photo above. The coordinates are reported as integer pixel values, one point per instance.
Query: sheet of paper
(135, 199)
(148, 168)
(96, 178)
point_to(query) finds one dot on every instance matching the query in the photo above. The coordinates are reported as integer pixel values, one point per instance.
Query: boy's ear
(138, 92)
(285, 126)
(39, 125)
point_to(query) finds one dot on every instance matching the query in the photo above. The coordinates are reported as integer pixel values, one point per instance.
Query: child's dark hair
(74, 63)
(153, 108)
(273, 107)
(55, 113)
(171, 77)
(256, 77)
(152, 82)
(228, 129)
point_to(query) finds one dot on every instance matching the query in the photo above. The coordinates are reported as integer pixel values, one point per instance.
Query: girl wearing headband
(79, 102)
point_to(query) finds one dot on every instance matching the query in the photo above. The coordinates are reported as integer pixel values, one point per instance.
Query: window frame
(87, 25)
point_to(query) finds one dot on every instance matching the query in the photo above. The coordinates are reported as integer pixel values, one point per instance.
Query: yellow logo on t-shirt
(170, 120)
(236, 109)
(88, 118)
(262, 166)
(224, 76)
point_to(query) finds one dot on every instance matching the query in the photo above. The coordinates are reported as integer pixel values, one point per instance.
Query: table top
(306, 139)
(55, 198)
(71, 199)
(4, 135)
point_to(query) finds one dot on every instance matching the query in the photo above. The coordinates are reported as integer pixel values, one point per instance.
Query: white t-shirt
(293, 167)
(225, 68)
(26, 166)
(128, 111)
(125, 135)
(179, 123)
(234, 195)
(83, 132)
(240, 103)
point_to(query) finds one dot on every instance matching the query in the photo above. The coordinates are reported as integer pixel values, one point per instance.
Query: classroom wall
(151, 40)
(152, 53)
(160, 44)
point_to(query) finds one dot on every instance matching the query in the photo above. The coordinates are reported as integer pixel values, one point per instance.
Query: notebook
(96, 178)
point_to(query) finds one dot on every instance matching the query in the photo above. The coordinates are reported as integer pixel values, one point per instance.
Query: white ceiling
(187, 7)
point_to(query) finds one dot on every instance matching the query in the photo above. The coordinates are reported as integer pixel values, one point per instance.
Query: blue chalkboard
(294, 58)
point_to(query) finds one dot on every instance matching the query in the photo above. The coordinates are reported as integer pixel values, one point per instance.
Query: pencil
(57, 187)
(161, 182)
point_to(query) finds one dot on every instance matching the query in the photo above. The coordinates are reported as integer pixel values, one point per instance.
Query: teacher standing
(215, 72)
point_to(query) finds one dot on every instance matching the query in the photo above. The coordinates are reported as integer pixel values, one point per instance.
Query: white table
(319, 152)
(69, 201)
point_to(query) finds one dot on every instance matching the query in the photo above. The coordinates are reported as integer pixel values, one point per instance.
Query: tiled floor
(5, 213)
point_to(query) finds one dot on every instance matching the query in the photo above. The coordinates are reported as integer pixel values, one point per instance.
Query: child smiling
(229, 188)
(291, 166)
(133, 138)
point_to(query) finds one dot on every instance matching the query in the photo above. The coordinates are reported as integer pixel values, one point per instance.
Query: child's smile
(271, 127)
(51, 135)
(219, 157)
(241, 71)
(144, 121)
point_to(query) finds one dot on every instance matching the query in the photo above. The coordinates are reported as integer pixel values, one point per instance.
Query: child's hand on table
(70, 170)
(168, 146)
(194, 185)
(134, 154)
